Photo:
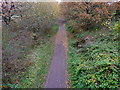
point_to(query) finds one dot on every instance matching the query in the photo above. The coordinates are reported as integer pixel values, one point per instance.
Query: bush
(86, 15)
(117, 26)
(39, 17)
(96, 66)
(21, 35)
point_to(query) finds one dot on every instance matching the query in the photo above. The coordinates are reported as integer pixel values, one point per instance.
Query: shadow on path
(57, 72)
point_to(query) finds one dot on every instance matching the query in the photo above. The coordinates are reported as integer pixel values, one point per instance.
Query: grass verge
(41, 57)
(31, 70)
(36, 74)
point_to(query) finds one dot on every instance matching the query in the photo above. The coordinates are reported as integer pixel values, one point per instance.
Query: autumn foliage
(93, 52)
(86, 15)
(21, 34)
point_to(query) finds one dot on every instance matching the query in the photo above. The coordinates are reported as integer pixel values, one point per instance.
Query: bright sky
(58, 1)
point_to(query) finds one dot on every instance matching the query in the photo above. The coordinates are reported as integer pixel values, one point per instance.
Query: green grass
(34, 64)
(54, 30)
(96, 66)
(36, 74)
(41, 57)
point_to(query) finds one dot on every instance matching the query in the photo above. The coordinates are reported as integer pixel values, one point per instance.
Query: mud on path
(57, 72)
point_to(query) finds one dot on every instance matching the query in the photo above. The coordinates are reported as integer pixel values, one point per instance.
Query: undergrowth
(31, 70)
(95, 66)
(36, 73)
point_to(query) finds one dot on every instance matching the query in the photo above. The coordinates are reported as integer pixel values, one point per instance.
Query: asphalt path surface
(57, 72)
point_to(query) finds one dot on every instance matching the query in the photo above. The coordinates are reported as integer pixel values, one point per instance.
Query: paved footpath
(57, 72)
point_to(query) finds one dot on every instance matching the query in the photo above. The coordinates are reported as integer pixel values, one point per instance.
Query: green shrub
(117, 26)
(96, 66)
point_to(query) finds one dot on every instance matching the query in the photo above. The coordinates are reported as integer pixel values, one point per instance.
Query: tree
(8, 9)
(86, 15)
(116, 6)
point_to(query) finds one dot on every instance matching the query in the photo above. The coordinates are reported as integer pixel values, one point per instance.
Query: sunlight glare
(58, 1)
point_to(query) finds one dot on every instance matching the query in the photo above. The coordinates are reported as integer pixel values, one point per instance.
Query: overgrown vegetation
(31, 69)
(26, 43)
(36, 73)
(83, 14)
(97, 64)
(93, 58)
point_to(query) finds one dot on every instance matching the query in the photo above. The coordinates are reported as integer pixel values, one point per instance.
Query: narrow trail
(57, 72)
